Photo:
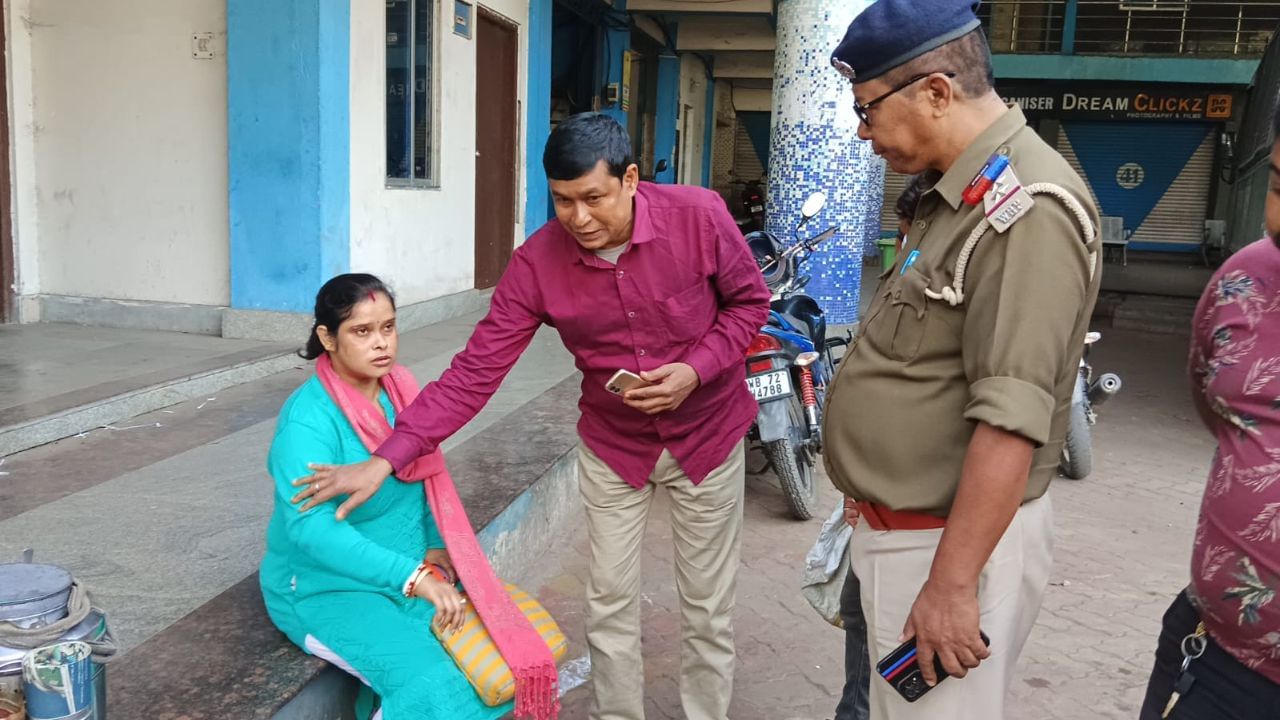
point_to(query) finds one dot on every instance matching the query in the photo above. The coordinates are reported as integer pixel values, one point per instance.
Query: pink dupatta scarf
(523, 649)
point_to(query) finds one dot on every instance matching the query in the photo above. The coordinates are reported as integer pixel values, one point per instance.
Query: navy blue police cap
(891, 33)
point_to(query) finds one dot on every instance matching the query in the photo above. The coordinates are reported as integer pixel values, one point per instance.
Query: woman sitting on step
(363, 591)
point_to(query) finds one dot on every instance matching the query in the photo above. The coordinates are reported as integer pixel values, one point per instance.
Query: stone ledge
(130, 314)
(38, 423)
(35, 424)
(271, 326)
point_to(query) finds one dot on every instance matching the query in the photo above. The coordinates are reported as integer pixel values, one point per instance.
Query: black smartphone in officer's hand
(901, 669)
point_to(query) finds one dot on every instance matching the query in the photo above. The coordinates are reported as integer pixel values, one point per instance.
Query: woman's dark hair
(1275, 120)
(578, 144)
(910, 198)
(334, 303)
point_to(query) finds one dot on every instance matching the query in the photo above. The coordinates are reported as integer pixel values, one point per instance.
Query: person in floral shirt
(1235, 564)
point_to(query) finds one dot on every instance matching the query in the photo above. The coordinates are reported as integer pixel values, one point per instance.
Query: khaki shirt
(922, 373)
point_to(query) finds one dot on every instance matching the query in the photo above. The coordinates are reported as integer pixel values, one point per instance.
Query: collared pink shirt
(686, 290)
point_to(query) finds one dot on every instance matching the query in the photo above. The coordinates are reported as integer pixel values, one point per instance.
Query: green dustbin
(888, 252)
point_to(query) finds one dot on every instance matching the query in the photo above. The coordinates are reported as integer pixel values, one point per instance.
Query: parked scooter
(789, 364)
(750, 216)
(1088, 396)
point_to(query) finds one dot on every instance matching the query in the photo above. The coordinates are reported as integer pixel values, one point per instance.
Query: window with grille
(410, 122)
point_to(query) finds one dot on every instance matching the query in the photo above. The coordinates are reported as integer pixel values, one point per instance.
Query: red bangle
(439, 573)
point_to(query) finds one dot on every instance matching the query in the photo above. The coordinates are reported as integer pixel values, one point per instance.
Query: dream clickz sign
(1122, 103)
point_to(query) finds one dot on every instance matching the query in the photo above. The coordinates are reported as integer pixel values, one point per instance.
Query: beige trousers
(706, 524)
(894, 565)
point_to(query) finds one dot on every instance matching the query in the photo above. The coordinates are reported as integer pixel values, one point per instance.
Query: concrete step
(63, 380)
(41, 422)
(1154, 313)
(1149, 273)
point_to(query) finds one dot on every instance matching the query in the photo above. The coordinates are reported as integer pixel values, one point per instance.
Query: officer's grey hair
(968, 56)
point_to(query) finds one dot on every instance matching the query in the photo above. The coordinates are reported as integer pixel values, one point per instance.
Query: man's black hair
(578, 144)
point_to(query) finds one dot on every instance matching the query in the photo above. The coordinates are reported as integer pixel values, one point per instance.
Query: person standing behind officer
(949, 412)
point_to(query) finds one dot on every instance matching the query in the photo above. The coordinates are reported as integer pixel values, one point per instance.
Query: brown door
(497, 48)
(6, 194)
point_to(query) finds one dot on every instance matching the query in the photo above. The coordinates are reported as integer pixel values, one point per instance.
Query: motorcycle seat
(801, 325)
(803, 313)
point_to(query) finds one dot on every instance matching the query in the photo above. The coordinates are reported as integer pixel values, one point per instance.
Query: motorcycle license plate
(770, 386)
(757, 208)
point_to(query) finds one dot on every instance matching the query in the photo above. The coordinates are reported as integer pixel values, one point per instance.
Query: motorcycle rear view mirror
(813, 205)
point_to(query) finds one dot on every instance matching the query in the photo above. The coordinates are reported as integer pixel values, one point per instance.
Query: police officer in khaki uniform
(947, 418)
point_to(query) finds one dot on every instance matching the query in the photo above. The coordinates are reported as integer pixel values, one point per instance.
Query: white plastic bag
(827, 566)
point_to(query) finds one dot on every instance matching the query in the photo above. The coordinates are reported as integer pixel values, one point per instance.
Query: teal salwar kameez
(340, 582)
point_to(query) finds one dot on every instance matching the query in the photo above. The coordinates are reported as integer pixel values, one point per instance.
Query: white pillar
(22, 164)
(815, 147)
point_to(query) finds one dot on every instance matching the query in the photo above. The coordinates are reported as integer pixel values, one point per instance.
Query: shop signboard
(1146, 103)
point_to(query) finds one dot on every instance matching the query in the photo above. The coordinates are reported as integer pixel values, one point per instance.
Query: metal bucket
(33, 596)
(57, 680)
(92, 629)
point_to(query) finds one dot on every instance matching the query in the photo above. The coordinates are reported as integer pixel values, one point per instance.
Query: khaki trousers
(894, 565)
(706, 523)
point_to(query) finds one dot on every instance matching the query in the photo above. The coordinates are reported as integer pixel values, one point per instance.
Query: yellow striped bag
(477, 655)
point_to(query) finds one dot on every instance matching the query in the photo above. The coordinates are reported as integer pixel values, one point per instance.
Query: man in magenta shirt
(652, 279)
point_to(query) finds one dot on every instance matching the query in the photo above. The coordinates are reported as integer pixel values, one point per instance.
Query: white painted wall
(748, 99)
(694, 118)
(120, 149)
(421, 241)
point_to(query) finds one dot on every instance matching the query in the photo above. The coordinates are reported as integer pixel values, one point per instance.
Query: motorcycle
(751, 202)
(790, 364)
(1089, 394)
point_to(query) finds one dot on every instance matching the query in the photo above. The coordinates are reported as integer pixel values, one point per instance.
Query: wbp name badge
(1007, 201)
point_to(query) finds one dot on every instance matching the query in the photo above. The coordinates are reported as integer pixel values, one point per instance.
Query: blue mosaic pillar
(815, 147)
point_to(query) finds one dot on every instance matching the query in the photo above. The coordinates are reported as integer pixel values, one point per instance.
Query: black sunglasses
(864, 111)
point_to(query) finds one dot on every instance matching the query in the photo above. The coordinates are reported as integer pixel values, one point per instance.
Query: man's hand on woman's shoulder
(359, 482)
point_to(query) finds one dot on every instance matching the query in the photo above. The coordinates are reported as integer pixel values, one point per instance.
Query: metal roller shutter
(746, 162)
(1180, 214)
(1069, 154)
(894, 184)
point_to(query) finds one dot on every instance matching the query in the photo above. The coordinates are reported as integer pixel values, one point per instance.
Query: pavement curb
(40, 431)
